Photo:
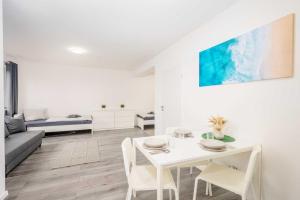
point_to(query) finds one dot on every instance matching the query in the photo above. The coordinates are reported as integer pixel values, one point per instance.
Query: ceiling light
(77, 50)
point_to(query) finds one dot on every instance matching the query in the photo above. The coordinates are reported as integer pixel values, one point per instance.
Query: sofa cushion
(6, 131)
(15, 125)
(17, 143)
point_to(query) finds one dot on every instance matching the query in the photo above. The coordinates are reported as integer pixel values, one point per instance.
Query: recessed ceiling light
(77, 50)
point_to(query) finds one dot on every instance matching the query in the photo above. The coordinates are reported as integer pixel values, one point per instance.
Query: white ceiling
(118, 34)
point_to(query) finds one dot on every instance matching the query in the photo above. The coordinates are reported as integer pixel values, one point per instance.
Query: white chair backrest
(127, 155)
(255, 155)
(171, 130)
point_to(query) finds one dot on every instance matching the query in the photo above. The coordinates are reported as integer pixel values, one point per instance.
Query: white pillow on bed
(35, 114)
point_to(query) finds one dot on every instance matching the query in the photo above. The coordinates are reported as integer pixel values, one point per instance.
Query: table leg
(178, 179)
(134, 154)
(260, 175)
(160, 183)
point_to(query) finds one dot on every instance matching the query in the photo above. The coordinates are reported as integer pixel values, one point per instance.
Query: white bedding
(59, 128)
(57, 119)
(144, 115)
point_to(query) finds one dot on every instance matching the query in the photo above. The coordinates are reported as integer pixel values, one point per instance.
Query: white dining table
(183, 151)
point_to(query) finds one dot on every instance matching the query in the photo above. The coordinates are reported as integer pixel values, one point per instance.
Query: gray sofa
(19, 146)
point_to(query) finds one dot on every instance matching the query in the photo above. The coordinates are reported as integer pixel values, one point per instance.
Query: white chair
(143, 177)
(201, 165)
(230, 179)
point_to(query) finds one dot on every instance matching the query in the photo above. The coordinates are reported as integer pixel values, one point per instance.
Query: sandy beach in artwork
(278, 62)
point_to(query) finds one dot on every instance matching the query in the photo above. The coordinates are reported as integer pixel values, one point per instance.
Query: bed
(145, 119)
(60, 124)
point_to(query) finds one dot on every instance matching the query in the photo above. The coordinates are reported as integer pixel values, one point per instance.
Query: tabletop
(183, 150)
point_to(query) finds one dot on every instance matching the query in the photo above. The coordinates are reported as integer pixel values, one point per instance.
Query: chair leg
(244, 197)
(170, 194)
(195, 189)
(129, 194)
(178, 179)
(176, 194)
(134, 193)
(210, 190)
(191, 170)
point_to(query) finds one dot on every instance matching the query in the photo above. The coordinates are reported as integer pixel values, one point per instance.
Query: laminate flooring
(34, 179)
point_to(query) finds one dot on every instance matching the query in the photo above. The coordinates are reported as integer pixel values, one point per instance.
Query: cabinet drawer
(124, 119)
(99, 125)
(103, 115)
(103, 119)
(113, 119)
(124, 124)
(122, 114)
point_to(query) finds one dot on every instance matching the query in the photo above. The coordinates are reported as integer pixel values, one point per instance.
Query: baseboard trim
(3, 195)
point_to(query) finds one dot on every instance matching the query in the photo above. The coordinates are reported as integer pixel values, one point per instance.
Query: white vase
(218, 134)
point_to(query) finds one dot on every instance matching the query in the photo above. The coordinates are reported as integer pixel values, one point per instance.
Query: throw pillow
(15, 125)
(6, 131)
(35, 114)
(74, 116)
(19, 116)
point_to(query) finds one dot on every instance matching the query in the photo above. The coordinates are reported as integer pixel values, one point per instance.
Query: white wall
(3, 193)
(266, 112)
(65, 90)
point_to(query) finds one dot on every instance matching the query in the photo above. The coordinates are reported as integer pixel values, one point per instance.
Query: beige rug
(76, 153)
(149, 131)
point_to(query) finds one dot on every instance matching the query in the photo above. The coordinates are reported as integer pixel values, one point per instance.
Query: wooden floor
(104, 180)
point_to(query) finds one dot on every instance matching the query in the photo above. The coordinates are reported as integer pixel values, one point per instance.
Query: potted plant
(103, 106)
(218, 124)
(122, 106)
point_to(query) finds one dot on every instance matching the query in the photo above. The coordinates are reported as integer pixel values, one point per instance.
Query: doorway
(168, 98)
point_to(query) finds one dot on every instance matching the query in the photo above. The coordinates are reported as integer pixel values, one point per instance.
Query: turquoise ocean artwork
(264, 53)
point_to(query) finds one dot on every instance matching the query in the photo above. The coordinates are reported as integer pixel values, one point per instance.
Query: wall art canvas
(264, 53)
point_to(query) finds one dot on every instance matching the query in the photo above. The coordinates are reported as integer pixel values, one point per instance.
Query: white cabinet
(124, 119)
(113, 119)
(103, 120)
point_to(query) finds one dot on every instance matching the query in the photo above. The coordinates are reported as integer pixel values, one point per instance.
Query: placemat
(226, 138)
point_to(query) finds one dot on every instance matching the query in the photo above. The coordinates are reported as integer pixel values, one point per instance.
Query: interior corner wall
(65, 90)
(265, 112)
(3, 192)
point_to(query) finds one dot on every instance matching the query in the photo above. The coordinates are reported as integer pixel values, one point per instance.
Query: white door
(169, 99)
